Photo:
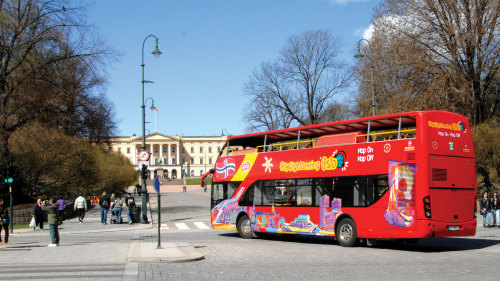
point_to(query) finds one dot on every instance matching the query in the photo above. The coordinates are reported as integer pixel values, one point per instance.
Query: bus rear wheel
(244, 227)
(346, 233)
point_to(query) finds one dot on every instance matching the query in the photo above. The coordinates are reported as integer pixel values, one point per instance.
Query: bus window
(223, 190)
(304, 192)
(359, 191)
(321, 186)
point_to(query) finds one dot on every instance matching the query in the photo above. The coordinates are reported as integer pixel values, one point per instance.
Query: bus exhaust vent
(439, 174)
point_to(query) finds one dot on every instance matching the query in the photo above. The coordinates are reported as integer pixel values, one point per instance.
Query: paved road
(102, 253)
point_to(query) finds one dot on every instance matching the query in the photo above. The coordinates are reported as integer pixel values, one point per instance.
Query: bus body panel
(438, 163)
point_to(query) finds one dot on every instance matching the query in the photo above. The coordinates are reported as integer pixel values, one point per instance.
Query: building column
(178, 160)
(161, 152)
(168, 159)
(151, 162)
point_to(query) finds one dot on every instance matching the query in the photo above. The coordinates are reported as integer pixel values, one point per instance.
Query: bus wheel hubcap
(245, 227)
(346, 232)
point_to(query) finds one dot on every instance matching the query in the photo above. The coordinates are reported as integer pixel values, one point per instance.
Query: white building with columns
(172, 156)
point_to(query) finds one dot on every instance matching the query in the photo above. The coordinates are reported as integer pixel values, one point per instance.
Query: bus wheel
(346, 233)
(244, 227)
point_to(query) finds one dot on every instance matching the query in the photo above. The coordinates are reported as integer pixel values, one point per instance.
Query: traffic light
(144, 172)
(9, 180)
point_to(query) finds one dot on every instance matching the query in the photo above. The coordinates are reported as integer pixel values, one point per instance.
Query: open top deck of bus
(369, 129)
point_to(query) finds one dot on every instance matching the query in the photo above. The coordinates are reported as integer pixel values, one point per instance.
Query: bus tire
(346, 233)
(244, 227)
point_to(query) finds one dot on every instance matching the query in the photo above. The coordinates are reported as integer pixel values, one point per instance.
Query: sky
(210, 48)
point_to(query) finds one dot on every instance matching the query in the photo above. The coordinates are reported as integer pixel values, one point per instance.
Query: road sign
(143, 155)
(139, 165)
(157, 184)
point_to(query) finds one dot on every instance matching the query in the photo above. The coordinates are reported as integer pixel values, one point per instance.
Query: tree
(431, 54)
(487, 152)
(300, 85)
(50, 67)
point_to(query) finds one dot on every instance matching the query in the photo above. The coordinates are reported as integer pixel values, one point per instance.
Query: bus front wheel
(244, 227)
(346, 233)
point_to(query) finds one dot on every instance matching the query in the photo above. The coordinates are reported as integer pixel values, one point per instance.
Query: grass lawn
(197, 181)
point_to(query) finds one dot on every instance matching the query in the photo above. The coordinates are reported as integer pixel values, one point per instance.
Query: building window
(218, 149)
(192, 160)
(192, 172)
(201, 160)
(165, 161)
(173, 149)
(173, 161)
(192, 149)
(165, 149)
(183, 160)
(201, 173)
(156, 149)
(209, 149)
(210, 160)
(183, 150)
(201, 149)
(119, 149)
(128, 150)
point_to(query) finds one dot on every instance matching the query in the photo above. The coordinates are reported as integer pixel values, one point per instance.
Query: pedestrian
(38, 214)
(130, 202)
(105, 204)
(80, 207)
(52, 209)
(62, 204)
(485, 209)
(4, 223)
(495, 210)
(117, 209)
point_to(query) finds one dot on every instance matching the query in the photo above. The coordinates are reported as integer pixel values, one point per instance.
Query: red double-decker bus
(398, 176)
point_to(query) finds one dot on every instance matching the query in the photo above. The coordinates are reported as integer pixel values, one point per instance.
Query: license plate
(453, 227)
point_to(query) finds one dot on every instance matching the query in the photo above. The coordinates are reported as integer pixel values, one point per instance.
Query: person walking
(38, 214)
(117, 209)
(52, 209)
(62, 203)
(130, 202)
(485, 209)
(4, 223)
(495, 210)
(80, 207)
(104, 203)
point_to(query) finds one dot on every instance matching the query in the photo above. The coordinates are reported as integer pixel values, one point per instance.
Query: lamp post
(156, 52)
(360, 55)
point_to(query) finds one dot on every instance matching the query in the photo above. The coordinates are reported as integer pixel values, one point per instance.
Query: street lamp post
(360, 55)
(156, 52)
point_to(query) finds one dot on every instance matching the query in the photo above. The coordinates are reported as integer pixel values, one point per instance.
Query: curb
(142, 249)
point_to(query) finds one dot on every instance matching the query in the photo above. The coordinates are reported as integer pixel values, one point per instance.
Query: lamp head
(358, 54)
(156, 52)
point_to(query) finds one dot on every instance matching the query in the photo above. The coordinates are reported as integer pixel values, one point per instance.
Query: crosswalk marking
(67, 272)
(182, 226)
(186, 225)
(201, 225)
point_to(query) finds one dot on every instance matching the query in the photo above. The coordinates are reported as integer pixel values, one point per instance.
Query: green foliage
(487, 149)
(52, 163)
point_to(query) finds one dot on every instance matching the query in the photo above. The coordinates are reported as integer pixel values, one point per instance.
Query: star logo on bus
(268, 165)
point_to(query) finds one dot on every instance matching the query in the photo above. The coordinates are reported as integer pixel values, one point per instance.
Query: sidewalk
(31, 246)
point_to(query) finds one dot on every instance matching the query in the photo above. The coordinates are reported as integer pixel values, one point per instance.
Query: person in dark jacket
(485, 208)
(4, 223)
(38, 214)
(105, 203)
(495, 210)
(52, 209)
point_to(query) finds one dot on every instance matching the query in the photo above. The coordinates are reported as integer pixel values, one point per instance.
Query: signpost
(157, 188)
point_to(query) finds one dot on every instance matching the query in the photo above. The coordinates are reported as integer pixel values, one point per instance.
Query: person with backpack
(105, 204)
(130, 202)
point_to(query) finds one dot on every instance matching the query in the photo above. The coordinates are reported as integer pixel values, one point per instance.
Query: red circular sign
(143, 155)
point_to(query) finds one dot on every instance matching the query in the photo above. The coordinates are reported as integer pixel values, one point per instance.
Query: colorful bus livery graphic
(400, 210)
(351, 179)
(225, 214)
